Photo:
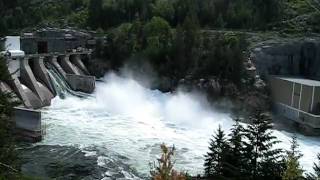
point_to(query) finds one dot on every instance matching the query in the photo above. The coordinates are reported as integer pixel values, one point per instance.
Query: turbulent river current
(125, 122)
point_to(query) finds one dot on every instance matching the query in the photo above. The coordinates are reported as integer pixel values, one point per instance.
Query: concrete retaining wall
(81, 83)
(28, 124)
(303, 118)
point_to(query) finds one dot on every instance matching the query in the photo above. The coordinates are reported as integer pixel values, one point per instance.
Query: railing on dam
(58, 54)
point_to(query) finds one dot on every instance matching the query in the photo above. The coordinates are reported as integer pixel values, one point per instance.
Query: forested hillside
(288, 15)
(173, 36)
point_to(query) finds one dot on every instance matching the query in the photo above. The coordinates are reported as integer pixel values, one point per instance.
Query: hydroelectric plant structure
(35, 60)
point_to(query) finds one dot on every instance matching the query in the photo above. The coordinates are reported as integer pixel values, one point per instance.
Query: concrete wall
(316, 109)
(281, 90)
(286, 112)
(81, 83)
(282, 93)
(57, 40)
(29, 45)
(28, 123)
(306, 98)
(308, 123)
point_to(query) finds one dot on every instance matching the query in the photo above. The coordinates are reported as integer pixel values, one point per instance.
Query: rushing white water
(125, 118)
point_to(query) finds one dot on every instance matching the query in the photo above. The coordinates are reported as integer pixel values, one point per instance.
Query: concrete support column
(42, 75)
(76, 60)
(54, 62)
(67, 66)
(14, 71)
(29, 79)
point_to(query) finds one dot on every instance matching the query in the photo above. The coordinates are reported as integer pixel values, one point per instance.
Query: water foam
(130, 120)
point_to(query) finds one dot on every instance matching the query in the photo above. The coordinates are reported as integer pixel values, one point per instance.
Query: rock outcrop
(297, 57)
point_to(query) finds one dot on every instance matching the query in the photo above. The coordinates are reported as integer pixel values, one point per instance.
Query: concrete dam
(31, 60)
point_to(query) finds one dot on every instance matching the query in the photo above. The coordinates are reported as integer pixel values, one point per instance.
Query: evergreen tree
(235, 156)
(7, 149)
(263, 160)
(95, 13)
(293, 169)
(215, 159)
(191, 37)
(317, 168)
(180, 63)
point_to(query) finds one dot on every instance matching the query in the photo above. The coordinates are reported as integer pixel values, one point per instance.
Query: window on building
(42, 47)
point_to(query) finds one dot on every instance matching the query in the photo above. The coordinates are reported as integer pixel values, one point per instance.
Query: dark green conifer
(317, 167)
(7, 144)
(263, 161)
(235, 158)
(215, 162)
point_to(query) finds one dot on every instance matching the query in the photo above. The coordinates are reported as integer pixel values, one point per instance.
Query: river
(125, 122)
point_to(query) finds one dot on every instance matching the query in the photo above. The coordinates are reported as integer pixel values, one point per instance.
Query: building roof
(300, 80)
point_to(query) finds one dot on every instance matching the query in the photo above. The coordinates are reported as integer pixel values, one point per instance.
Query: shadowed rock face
(295, 58)
(62, 162)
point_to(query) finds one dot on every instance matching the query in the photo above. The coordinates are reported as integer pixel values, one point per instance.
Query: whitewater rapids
(127, 119)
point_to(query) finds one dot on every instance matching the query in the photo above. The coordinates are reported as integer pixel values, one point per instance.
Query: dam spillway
(29, 60)
(31, 83)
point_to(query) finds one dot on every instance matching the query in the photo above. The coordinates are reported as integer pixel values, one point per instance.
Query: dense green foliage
(253, 14)
(105, 14)
(19, 14)
(176, 53)
(248, 153)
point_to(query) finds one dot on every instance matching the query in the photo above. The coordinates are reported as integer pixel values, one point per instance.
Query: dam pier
(30, 58)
